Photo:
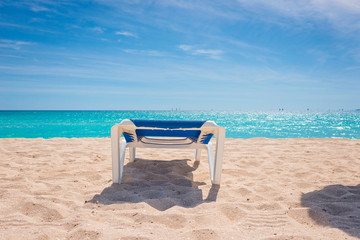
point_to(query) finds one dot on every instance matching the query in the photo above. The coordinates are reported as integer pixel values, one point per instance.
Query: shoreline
(237, 124)
(295, 188)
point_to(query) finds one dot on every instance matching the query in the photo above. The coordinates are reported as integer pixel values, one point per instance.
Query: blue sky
(196, 55)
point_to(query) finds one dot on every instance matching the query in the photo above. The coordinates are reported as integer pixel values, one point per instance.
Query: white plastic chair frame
(209, 127)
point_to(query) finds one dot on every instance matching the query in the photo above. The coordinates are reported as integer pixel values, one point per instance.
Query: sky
(236, 55)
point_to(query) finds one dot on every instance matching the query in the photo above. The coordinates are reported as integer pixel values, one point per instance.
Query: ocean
(49, 124)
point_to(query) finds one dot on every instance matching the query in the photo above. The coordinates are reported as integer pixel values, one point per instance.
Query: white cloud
(5, 43)
(343, 15)
(211, 53)
(38, 9)
(352, 68)
(6, 67)
(124, 33)
(185, 47)
(152, 53)
(7, 24)
(207, 52)
(223, 9)
(10, 56)
(97, 29)
(320, 56)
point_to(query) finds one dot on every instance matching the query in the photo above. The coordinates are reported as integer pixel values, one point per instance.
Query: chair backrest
(168, 124)
(168, 128)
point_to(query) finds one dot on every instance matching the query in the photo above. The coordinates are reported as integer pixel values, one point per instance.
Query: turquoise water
(48, 124)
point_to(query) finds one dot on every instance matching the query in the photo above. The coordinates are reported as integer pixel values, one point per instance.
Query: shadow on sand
(336, 206)
(161, 184)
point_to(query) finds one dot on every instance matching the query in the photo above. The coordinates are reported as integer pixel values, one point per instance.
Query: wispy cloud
(343, 15)
(124, 33)
(211, 53)
(185, 47)
(13, 25)
(98, 29)
(352, 68)
(223, 9)
(6, 67)
(320, 56)
(27, 27)
(39, 9)
(245, 45)
(38, 5)
(6, 43)
(152, 53)
(10, 56)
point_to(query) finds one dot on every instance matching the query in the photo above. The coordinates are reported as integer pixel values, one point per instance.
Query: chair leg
(115, 137)
(211, 160)
(197, 154)
(122, 158)
(220, 141)
(132, 151)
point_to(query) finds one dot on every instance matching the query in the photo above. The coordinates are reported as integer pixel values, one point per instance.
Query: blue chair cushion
(171, 124)
(171, 129)
(167, 133)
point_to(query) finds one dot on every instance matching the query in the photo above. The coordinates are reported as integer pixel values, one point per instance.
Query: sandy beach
(271, 189)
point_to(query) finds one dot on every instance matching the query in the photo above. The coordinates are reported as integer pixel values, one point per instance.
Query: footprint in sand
(39, 211)
(174, 221)
(84, 234)
(207, 234)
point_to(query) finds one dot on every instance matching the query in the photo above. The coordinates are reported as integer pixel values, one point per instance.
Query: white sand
(271, 189)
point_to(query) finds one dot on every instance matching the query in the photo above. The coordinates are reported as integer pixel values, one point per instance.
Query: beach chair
(167, 134)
